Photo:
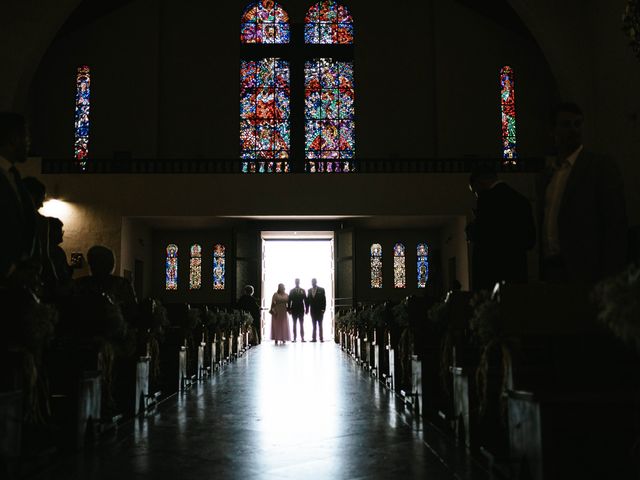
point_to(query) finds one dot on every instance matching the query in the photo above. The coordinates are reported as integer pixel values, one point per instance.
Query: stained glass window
(376, 265)
(81, 146)
(329, 115)
(508, 109)
(399, 266)
(195, 267)
(171, 267)
(264, 115)
(264, 21)
(327, 22)
(422, 264)
(218, 267)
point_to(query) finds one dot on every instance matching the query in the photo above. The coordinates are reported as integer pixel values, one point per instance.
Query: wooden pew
(574, 395)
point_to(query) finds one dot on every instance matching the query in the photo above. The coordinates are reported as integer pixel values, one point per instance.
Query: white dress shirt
(553, 199)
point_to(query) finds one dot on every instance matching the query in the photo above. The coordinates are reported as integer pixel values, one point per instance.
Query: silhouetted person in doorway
(248, 303)
(297, 306)
(584, 222)
(501, 233)
(17, 214)
(316, 304)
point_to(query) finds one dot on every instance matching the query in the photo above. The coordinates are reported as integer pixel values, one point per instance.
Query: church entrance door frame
(297, 254)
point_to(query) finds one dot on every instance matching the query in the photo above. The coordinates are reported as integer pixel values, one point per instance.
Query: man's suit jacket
(297, 301)
(17, 223)
(317, 304)
(592, 220)
(503, 231)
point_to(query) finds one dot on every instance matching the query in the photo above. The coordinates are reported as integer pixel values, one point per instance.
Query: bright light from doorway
(285, 260)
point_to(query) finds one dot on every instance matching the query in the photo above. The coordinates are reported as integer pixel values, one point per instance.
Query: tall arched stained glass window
(376, 265)
(83, 90)
(399, 266)
(329, 92)
(508, 114)
(171, 267)
(422, 253)
(195, 267)
(219, 267)
(264, 114)
(264, 92)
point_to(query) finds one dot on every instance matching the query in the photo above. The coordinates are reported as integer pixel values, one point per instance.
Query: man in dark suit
(297, 306)
(316, 304)
(17, 214)
(584, 223)
(502, 232)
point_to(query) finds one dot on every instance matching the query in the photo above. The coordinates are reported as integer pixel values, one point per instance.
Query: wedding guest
(17, 215)
(316, 304)
(584, 222)
(37, 192)
(102, 281)
(248, 303)
(278, 311)
(297, 305)
(501, 233)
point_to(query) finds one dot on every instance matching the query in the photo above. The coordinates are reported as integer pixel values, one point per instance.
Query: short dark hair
(34, 186)
(569, 107)
(11, 123)
(101, 260)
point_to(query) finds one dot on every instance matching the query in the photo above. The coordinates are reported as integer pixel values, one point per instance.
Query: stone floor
(294, 411)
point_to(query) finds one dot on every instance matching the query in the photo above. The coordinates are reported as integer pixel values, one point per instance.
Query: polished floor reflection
(298, 411)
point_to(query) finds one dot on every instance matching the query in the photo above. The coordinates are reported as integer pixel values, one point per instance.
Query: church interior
(205, 147)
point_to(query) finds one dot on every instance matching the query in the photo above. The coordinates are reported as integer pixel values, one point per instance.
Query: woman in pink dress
(279, 318)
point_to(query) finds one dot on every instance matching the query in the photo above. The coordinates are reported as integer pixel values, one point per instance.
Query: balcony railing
(235, 166)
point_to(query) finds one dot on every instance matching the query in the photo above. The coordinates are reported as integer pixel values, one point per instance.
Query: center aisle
(294, 411)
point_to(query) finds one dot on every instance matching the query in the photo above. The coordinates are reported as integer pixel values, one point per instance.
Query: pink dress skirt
(279, 317)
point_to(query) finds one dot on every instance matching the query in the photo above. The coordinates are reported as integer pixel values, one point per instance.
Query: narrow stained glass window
(171, 267)
(264, 115)
(376, 265)
(508, 112)
(399, 266)
(329, 115)
(81, 146)
(195, 267)
(264, 21)
(218, 267)
(327, 22)
(422, 264)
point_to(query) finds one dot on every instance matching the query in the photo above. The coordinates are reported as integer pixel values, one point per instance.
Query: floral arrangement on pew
(191, 324)
(27, 338)
(400, 316)
(486, 329)
(438, 316)
(153, 321)
(381, 321)
(618, 301)
(362, 324)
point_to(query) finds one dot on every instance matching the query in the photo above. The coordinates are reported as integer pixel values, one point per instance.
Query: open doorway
(304, 255)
